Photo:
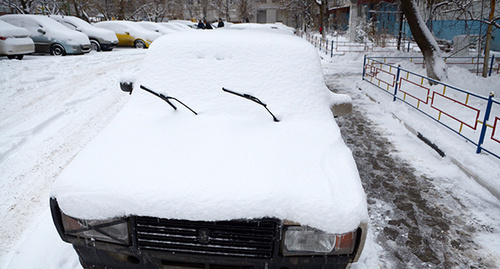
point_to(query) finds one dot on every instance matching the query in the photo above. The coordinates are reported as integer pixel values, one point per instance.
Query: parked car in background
(156, 27)
(100, 39)
(130, 34)
(50, 36)
(190, 24)
(209, 176)
(273, 27)
(176, 26)
(14, 41)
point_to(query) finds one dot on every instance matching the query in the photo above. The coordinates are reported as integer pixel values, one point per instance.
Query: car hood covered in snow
(231, 161)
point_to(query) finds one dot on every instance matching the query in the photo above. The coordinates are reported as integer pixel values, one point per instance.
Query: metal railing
(335, 47)
(473, 117)
(472, 64)
(332, 47)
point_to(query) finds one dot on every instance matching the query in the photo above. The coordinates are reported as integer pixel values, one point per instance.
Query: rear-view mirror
(41, 31)
(127, 86)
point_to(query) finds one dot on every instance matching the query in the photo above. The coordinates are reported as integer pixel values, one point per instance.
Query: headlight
(111, 230)
(303, 240)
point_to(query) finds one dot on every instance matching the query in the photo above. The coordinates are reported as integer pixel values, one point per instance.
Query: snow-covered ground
(52, 107)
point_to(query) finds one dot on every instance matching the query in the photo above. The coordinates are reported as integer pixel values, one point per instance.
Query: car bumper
(249, 245)
(16, 47)
(77, 49)
(106, 255)
(108, 46)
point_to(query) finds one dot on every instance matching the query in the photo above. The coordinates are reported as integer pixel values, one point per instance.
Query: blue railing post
(364, 67)
(397, 83)
(331, 55)
(409, 42)
(491, 65)
(486, 118)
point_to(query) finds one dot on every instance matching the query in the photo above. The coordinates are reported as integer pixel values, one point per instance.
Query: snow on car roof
(231, 161)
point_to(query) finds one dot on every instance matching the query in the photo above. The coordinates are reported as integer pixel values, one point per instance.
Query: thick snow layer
(7, 29)
(83, 26)
(232, 160)
(53, 29)
(133, 29)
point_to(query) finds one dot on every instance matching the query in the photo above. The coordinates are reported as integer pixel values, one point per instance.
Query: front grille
(240, 238)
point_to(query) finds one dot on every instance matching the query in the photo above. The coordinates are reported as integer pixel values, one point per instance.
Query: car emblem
(203, 236)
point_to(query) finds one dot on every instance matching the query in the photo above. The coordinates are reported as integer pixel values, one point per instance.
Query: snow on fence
(473, 117)
(332, 47)
(473, 64)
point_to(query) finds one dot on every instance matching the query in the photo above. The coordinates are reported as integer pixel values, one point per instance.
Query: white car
(130, 34)
(100, 39)
(15, 42)
(243, 166)
(50, 36)
(156, 27)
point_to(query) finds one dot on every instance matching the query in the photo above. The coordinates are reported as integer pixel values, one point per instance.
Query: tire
(57, 50)
(139, 44)
(11, 57)
(19, 57)
(94, 45)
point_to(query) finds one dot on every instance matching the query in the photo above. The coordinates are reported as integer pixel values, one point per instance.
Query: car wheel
(57, 50)
(11, 57)
(19, 57)
(94, 45)
(139, 44)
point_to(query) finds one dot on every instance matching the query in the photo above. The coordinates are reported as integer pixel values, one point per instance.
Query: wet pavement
(419, 221)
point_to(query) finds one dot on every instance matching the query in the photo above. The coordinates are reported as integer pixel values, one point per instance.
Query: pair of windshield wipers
(128, 87)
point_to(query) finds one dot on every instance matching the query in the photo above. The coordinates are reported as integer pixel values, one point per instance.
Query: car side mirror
(341, 109)
(41, 31)
(127, 86)
(127, 33)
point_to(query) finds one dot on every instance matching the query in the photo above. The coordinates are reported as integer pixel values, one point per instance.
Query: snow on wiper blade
(128, 87)
(252, 98)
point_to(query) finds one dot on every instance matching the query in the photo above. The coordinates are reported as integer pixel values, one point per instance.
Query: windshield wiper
(252, 98)
(128, 87)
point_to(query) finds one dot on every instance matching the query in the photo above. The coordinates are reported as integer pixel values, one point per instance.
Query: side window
(32, 27)
(69, 25)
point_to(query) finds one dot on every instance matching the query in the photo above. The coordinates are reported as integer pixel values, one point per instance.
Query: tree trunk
(488, 39)
(353, 20)
(434, 63)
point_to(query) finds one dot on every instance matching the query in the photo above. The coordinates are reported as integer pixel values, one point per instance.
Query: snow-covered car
(100, 39)
(176, 26)
(272, 27)
(156, 27)
(50, 36)
(196, 172)
(130, 34)
(15, 42)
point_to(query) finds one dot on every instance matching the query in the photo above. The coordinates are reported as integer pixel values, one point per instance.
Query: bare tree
(468, 10)
(21, 6)
(300, 10)
(245, 9)
(435, 65)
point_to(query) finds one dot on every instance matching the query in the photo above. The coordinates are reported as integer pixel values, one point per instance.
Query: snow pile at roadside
(230, 161)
